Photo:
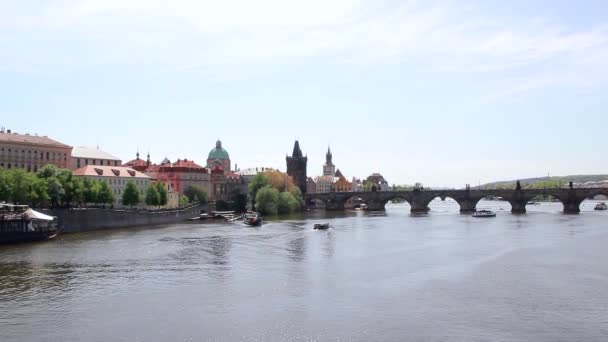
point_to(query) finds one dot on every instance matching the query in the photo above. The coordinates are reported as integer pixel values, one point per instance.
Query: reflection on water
(372, 276)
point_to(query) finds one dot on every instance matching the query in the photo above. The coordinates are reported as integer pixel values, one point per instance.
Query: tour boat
(321, 226)
(21, 223)
(484, 213)
(601, 206)
(252, 218)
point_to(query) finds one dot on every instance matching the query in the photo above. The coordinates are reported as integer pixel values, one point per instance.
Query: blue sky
(445, 93)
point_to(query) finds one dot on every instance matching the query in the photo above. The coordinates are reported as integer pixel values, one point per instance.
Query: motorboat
(484, 213)
(321, 226)
(601, 206)
(252, 218)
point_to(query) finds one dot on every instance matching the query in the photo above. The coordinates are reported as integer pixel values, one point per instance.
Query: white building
(117, 178)
(324, 183)
(357, 185)
(83, 156)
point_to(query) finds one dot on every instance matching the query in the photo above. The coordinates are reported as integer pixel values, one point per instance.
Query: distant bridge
(467, 199)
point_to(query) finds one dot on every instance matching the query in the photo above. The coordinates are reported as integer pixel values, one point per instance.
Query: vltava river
(373, 277)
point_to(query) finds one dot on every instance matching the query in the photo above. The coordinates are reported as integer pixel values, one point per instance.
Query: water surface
(374, 276)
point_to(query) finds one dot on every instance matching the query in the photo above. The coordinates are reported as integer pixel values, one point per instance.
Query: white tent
(34, 215)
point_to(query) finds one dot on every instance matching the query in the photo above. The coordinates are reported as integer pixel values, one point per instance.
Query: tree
(130, 196)
(238, 201)
(266, 200)
(90, 190)
(196, 194)
(287, 203)
(105, 195)
(48, 171)
(183, 201)
(152, 196)
(55, 191)
(258, 182)
(20, 181)
(162, 192)
(39, 193)
(5, 186)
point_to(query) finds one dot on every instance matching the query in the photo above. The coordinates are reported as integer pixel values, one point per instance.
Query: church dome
(218, 152)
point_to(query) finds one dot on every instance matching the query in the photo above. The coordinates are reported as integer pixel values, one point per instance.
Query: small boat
(21, 223)
(234, 218)
(601, 206)
(321, 226)
(484, 213)
(252, 218)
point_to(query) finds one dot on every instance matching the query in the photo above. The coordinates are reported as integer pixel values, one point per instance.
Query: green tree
(55, 191)
(21, 182)
(287, 203)
(90, 190)
(162, 193)
(77, 191)
(183, 201)
(196, 194)
(238, 201)
(258, 182)
(152, 196)
(130, 196)
(48, 171)
(39, 193)
(105, 195)
(266, 200)
(5, 186)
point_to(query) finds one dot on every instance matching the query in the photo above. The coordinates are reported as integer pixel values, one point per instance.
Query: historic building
(138, 164)
(117, 178)
(329, 169)
(219, 156)
(378, 182)
(31, 152)
(83, 156)
(224, 184)
(180, 175)
(325, 184)
(311, 185)
(342, 185)
(296, 167)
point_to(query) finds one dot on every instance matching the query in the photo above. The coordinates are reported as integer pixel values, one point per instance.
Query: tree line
(273, 192)
(58, 188)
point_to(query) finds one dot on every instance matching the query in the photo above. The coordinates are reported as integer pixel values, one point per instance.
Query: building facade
(83, 156)
(138, 164)
(342, 185)
(32, 152)
(311, 185)
(117, 178)
(296, 167)
(180, 175)
(325, 184)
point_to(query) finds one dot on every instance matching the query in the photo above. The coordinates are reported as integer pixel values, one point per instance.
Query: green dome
(218, 152)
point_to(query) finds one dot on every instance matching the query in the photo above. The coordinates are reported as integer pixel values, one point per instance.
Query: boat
(321, 226)
(601, 206)
(21, 223)
(252, 218)
(234, 218)
(484, 213)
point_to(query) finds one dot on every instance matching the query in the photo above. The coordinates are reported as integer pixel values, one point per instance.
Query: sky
(440, 92)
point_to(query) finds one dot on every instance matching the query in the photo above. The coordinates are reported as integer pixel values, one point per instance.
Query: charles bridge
(419, 199)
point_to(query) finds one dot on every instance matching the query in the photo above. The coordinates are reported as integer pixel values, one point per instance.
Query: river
(388, 276)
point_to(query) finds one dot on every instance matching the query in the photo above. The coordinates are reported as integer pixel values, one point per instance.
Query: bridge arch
(443, 204)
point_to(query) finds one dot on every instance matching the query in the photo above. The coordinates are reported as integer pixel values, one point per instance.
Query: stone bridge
(467, 199)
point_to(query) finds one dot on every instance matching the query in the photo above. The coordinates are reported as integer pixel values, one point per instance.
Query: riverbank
(86, 219)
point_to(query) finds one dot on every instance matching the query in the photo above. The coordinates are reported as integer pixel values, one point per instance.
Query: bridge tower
(296, 167)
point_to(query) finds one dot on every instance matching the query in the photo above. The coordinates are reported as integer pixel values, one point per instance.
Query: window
(35, 168)
(47, 156)
(86, 162)
(9, 165)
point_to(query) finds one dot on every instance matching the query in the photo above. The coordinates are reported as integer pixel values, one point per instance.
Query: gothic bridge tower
(296, 167)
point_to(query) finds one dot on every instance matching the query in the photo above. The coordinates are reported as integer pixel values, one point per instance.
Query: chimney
(8, 131)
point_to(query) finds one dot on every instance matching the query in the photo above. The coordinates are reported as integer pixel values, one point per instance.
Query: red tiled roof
(30, 139)
(108, 171)
(136, 162)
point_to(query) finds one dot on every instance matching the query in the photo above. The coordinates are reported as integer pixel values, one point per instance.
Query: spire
(148, 160)
(328, 156)
(297, 153)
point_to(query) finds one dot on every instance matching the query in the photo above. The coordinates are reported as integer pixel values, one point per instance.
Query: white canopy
(34, 215)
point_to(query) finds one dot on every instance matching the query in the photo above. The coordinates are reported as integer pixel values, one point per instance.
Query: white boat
(484, 213)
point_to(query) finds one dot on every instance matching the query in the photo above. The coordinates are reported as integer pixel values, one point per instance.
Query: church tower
(329, 169)
(296, 167)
